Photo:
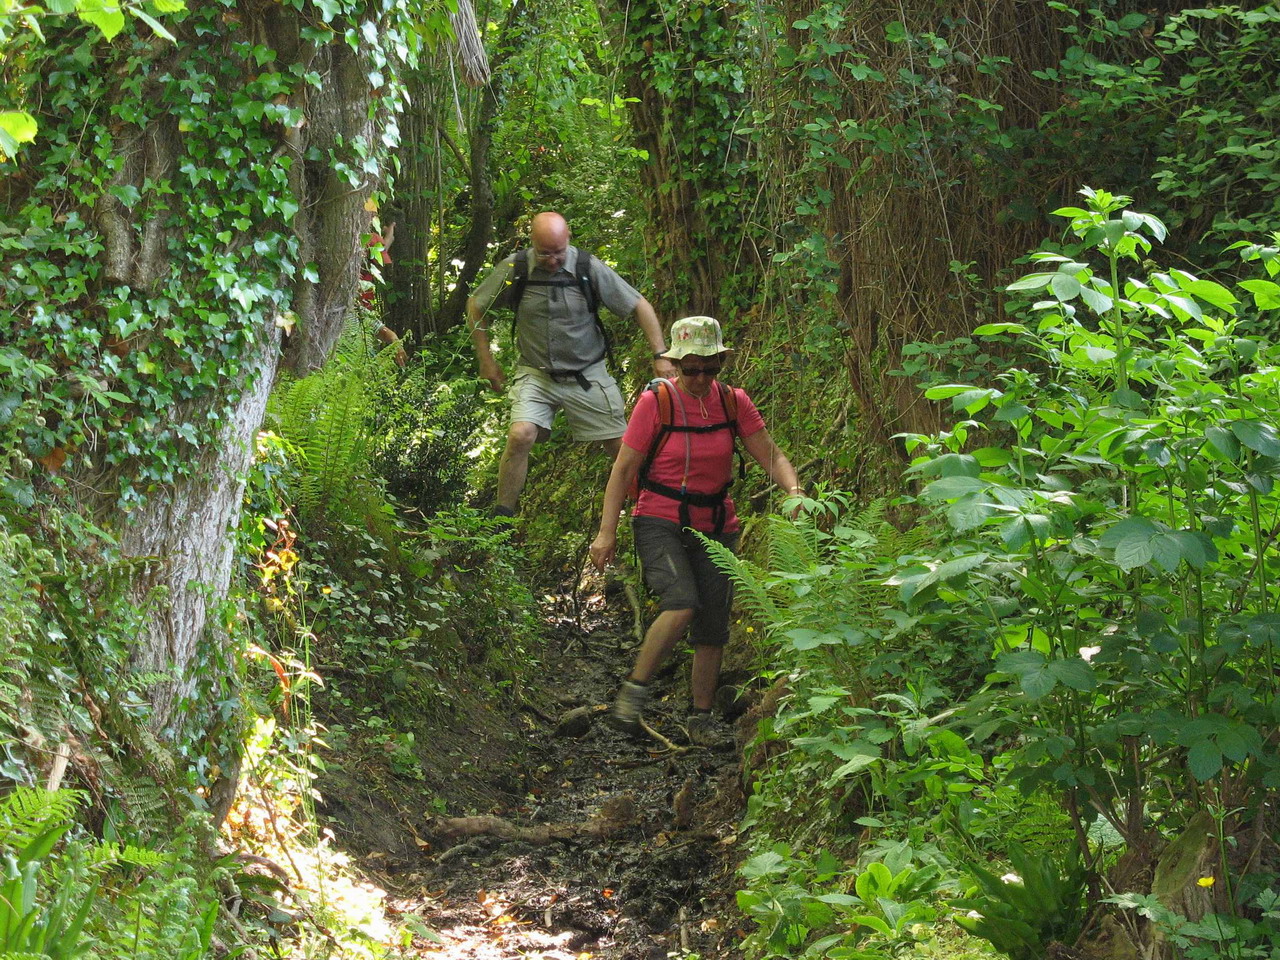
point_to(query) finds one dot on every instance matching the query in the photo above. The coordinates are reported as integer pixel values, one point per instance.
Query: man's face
(550, 256)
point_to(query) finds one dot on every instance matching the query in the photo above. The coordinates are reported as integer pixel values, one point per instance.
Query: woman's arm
(775, 463)
(626, 467)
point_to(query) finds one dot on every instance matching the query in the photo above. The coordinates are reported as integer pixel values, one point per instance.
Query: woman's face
(697, 374)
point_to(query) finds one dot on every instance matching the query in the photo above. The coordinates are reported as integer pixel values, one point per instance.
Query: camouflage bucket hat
(695, 336)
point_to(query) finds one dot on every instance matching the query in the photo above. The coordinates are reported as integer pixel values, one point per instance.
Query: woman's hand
(603, 549)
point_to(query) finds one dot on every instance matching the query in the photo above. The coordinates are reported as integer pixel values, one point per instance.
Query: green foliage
(789, 896)
(1120, 531)
(73, 902)
(1023, 912)
(1217, 936)
(422, 431)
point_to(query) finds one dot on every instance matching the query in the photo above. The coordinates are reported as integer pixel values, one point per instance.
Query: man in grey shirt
(561, 349)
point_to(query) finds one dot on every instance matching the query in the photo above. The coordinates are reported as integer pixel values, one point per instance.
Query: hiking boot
(704, 730)
(628, 706)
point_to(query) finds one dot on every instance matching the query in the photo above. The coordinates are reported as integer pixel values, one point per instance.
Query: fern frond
(748, 579)
(103, 856)
(28, 812)
(792, 547)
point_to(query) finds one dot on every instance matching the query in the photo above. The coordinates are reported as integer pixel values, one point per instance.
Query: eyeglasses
(700, 371)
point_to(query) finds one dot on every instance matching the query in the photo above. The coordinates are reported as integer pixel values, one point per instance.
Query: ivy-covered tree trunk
(685, 72)
(191, 218)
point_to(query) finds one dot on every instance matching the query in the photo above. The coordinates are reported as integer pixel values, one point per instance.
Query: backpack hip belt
(560, 376)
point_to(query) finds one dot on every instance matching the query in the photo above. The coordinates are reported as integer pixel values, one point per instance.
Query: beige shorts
(596, 413)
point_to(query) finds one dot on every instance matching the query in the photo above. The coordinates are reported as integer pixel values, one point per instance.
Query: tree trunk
(187, 203)
(683, 83)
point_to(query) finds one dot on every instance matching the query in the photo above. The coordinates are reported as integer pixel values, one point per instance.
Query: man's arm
(647, 317)
(489, 369)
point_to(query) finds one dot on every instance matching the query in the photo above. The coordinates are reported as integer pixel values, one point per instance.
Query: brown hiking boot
(628, 706)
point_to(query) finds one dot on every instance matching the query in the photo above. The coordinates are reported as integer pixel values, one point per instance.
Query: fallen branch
(597, 828)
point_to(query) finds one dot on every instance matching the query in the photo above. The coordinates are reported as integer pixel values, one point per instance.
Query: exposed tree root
(617, 815)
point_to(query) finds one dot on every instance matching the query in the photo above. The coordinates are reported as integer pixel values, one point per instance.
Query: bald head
(549, 231)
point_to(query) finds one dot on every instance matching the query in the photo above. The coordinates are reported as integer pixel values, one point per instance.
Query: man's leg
(514, 466)
(612, 446)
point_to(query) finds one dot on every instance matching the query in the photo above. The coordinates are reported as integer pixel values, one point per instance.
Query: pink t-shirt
(710, 461)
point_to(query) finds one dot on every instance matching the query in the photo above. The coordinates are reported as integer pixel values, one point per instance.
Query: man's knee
(521, 437)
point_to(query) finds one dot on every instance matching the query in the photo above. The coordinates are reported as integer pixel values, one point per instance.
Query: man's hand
(603, 549)
(665, 367)
(388, 336)
(493, 373)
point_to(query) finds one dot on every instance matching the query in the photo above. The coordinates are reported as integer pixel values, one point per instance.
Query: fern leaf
(28, 812)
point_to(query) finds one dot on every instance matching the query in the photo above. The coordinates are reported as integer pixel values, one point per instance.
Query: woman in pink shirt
(682, 464)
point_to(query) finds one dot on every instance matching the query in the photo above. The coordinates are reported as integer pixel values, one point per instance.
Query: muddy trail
(562, 837)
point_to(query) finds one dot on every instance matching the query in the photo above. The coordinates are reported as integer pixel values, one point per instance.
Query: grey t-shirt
(554, 327)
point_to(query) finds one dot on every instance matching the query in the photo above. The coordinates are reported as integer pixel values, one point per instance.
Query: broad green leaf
(943, 391)
(16, 128)
(1134, 551)
(1258, 436)
(1097, 301)
(969, 512)
(1032, 281)
(850, 768)
(953, 568)
(764, 864)
(1126, 528)
(1164, 549)
(990, 329)
(1205, 760)
(1266, 294)
(1064, 287)
(1212, 293)
(950, 488)
(107, 19)
(154, 24)
(1224, 441)
(1073, 673)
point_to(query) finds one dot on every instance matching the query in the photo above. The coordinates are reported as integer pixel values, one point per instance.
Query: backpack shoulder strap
(510, 296)
(582, 276)
(729, 397)
(660, 387)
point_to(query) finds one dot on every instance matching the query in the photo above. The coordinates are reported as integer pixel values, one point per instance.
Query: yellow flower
(1205, 881)
(326, 590)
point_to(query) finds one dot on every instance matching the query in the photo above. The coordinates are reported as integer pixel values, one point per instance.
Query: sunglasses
(700, 371)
